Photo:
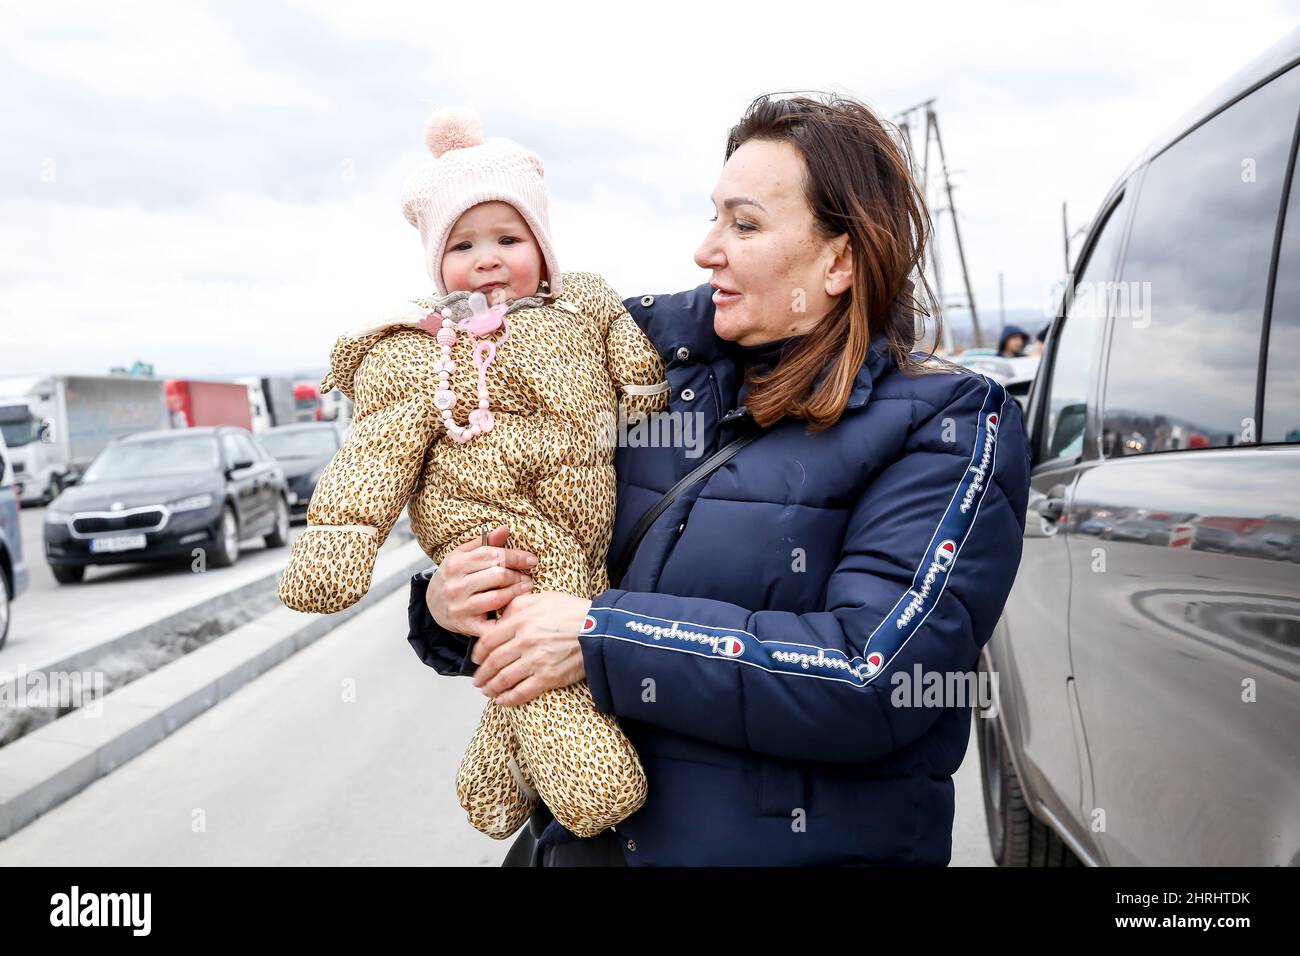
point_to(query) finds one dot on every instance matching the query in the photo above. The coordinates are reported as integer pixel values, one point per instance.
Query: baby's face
(491, 250)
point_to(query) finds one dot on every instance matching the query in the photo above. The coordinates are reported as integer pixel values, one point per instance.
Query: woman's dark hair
(859, 181)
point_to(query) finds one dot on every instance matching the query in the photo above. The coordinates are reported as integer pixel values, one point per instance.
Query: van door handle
(1052, 505)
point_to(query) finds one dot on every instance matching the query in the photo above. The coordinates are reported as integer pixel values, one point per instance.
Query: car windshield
(300, 443)
(18, 426)
(144, 459)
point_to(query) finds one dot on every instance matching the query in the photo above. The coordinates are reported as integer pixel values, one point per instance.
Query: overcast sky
(215, 188)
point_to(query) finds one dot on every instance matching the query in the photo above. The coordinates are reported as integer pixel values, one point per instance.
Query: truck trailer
(54, 426)
(271, 401)
(194, 403)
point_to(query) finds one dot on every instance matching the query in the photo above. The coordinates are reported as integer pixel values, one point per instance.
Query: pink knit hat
(467, 170)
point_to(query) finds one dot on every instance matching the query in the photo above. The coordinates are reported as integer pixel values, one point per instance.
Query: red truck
(193, 403)
(307, 401)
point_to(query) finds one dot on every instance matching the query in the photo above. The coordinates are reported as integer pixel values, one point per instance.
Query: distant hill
(1031, 320)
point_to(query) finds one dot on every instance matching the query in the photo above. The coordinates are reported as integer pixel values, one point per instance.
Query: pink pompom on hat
(467, 170)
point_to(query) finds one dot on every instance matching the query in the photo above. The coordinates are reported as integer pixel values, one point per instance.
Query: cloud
(214, 187)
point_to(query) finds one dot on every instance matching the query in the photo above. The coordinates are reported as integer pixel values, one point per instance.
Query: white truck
(270, 401)
(56, 425)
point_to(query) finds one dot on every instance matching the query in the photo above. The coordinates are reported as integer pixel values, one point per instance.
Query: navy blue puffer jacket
(766, 649)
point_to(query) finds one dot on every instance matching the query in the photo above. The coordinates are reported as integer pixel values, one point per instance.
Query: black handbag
(525, 851)
(604, 849)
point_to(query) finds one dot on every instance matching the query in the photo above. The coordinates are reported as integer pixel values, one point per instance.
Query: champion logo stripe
(706, 641)
(958, 518)
(907, 615)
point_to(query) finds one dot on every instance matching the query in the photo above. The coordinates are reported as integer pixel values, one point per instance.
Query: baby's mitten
(329, 568)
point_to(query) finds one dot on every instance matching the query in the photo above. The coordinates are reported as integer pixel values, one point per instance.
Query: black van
(1147, 662)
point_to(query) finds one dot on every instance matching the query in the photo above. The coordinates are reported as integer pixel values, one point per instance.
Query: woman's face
(491, 250)
(781, 277)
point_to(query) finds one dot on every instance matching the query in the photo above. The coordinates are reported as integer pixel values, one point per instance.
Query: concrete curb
(46, 767)
(86, 658)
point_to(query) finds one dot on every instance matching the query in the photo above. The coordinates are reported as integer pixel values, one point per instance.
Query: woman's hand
(477, 578)
(532, 648)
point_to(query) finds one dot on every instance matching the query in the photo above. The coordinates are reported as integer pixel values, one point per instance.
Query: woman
(767, 648)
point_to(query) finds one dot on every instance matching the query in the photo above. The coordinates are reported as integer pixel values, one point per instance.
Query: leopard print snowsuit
(545, 470)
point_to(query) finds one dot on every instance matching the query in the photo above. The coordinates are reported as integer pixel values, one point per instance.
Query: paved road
(288, 772)
(52, 620)
(970, 834)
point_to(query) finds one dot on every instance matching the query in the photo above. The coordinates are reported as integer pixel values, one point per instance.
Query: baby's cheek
(528, 268)
(452, 278)
(455, 271)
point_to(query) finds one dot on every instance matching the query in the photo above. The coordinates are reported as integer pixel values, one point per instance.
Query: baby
(485, 405)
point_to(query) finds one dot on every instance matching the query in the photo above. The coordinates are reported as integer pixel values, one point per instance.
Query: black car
(1147, 661)
(303, 451)
(162, 495)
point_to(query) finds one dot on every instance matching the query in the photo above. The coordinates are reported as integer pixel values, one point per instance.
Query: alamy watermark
(66, 690)
(1128, 300)
(77, 908)
(921, 688)
(652, 430)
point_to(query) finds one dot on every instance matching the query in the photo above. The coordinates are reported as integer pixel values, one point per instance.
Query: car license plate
(118, 542)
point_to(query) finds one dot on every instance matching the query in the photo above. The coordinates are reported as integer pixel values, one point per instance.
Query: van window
(1183, 363)
(1282, 375)
(1067, 399)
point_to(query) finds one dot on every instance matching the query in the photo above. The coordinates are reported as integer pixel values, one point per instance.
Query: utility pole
(950, 346)
(1002, 304)
(930, 262)
(932, 133)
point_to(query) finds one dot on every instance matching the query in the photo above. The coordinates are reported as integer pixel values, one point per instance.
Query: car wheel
(68, 573)
(4, 609)
(227, 550)
(279, 535)
(1016, 836)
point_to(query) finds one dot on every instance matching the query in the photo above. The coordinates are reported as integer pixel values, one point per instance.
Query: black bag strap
(706, 468)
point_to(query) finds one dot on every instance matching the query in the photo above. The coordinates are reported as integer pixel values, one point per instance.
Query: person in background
(1012, 342)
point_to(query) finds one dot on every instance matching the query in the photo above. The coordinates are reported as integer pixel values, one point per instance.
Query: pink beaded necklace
(481, 322)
